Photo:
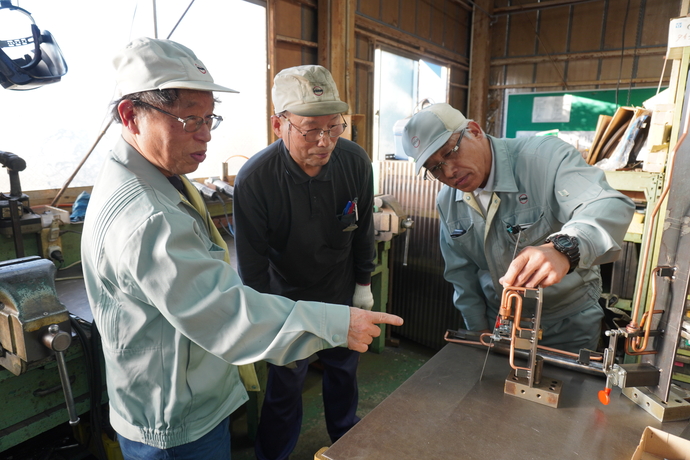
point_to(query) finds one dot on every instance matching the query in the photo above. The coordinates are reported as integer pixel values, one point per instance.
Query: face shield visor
(27, 61)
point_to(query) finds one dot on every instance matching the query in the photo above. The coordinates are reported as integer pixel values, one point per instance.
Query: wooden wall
(529, 45)
(580, 45)
(343, 34)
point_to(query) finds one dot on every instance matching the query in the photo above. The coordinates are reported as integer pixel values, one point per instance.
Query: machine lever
(59, 341)
(408, 223)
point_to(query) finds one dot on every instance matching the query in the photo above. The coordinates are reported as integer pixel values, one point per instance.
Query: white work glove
(362, 298)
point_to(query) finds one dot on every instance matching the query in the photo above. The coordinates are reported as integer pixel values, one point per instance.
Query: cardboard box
(656, 444)
(678, 37)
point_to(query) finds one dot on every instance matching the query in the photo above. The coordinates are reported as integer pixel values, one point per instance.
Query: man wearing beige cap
(304, 230)
(174, 317)
(520, 212)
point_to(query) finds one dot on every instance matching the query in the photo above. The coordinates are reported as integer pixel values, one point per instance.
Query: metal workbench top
(69, 285)
(444, 411)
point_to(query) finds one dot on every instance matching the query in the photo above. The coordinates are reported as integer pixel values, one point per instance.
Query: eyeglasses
(436, 171)
(190, 124)
(315, 135)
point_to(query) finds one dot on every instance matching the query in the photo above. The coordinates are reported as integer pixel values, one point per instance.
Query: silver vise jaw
(28, 307)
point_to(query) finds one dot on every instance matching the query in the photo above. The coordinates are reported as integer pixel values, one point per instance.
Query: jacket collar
(504, 178)
(128, 156)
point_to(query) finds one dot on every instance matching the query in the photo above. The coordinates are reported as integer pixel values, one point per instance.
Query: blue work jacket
(544, 185)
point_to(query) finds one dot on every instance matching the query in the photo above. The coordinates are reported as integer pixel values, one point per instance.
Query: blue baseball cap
(429, 129)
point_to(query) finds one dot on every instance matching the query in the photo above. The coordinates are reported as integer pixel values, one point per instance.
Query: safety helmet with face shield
(29, 57)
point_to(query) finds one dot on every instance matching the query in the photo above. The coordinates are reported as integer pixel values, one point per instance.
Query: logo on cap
(318, 91)
(200, 68)
(415, 142)
(523, 198)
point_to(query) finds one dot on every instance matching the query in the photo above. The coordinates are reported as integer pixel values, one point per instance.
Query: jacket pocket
(216, 251)
(531, 226)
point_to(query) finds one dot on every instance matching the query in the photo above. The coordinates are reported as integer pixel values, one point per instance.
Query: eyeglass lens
(190, 124)
(437, 170)
(314, 135)
(193, 124)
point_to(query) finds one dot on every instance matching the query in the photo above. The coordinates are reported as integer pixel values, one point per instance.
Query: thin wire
(181, 17)
(229, 230)
(620, 69)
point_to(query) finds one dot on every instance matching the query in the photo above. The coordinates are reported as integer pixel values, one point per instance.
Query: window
(401, 86)
(53, 127)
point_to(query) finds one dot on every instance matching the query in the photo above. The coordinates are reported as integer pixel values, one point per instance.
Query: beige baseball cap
(429, 129)
(306, 90)
(148, 64)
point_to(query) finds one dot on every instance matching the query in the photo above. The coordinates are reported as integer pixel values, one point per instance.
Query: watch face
(565, 242)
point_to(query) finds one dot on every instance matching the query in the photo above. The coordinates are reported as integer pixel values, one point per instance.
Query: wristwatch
(567, 245)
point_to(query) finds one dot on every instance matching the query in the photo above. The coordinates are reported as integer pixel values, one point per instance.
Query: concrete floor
(378, 376)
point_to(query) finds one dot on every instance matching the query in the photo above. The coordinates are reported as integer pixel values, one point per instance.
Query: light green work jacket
(174, 317)
(543, 185)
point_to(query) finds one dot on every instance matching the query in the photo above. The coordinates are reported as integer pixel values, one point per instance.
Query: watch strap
(571, 251)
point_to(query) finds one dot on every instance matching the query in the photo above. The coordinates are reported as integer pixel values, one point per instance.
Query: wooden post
(336, 38)
(271, 50)
(480, 62)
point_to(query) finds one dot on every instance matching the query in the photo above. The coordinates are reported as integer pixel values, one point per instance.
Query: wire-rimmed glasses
(190, 124)
(436, 171)
(315, 135)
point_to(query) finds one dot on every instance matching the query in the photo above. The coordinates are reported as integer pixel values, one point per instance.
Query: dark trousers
(281, 413)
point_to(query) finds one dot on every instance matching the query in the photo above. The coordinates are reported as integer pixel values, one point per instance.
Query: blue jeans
(214, 445)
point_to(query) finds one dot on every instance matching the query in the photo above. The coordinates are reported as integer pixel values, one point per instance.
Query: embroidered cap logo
(415, 142)
(318, 91)
(200, 68)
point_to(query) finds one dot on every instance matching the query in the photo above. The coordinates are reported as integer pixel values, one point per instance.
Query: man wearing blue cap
(175, 319)
(520, 212)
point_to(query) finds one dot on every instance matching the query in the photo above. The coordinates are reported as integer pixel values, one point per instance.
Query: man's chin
(319, 160)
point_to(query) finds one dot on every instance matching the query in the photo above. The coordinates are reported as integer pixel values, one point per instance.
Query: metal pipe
(549, 357)
(633, 326)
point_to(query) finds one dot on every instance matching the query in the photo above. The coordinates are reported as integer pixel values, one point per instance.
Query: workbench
(445, 411)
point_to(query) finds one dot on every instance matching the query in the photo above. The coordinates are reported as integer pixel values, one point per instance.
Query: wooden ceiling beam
(656, 51)
(624, 81)
(537, 6)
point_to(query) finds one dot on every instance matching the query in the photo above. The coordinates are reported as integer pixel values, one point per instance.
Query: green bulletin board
(585, 108)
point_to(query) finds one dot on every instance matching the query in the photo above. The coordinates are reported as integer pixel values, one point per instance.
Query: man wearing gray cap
(304, 229)
(520, 212)
(174, 317)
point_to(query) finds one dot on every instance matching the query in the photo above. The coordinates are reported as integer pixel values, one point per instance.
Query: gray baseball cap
(306, 90)
(147, 64)
(429, 129)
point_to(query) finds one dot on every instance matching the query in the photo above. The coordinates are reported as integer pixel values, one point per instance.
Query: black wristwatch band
(568, 246)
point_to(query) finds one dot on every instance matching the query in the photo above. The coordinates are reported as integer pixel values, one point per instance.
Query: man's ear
(475, 129)
(277, 125)
(128, 116)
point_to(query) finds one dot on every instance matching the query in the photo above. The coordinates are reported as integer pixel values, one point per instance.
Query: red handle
(605, 396)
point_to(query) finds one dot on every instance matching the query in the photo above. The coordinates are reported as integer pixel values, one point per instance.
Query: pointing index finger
(387, 318)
